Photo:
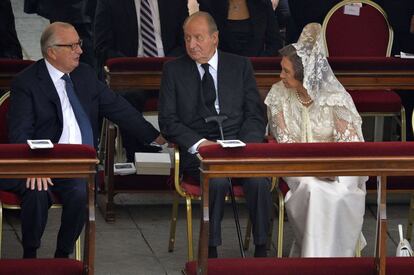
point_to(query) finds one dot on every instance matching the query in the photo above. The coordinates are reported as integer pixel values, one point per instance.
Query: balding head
(212, 26)
(48, 38)
(61, 46)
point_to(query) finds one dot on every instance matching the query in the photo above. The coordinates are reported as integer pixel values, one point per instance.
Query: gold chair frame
(402, 121)
(188, 199)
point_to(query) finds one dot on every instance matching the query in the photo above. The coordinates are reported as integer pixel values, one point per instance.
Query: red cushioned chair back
(368, 34)
(4, 107)
(13, 66)
(127, 64)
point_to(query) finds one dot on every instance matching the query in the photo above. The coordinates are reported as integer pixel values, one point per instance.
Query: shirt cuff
(193, 149)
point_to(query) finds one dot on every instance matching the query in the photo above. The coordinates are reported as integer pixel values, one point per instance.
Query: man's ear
(215, 37)
(51, 53)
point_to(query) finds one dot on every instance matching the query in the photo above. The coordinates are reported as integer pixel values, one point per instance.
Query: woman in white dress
(310, 105)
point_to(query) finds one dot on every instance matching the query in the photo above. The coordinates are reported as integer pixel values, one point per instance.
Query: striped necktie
(147, 30)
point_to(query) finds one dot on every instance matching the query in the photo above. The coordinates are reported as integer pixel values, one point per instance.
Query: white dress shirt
(213, 62)
(157, 26)
(71, 132)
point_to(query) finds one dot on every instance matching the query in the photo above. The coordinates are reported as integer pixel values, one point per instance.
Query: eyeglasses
(73, 46)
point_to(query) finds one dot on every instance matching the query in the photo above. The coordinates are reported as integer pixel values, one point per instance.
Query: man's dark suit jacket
(35, 111)
(116, 28)
(266, 34)
(181, 116)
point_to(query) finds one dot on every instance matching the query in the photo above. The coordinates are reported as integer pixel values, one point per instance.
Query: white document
(229, 143)
(40, 143)
(406, 55)
(352, 9)
(127, 168)
(153, 163)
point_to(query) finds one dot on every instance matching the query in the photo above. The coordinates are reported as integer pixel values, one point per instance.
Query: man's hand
(205, 143)
(39, 183)
(160, 140)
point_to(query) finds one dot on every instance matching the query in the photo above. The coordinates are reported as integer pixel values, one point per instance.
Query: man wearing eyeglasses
(59, 98)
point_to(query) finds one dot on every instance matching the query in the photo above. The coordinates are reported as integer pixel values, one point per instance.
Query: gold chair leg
(358, 248)
(403, 125)
(280, 229)
(247, 236)
(410, 219)
(189, 229)
(272, 219)
(173, 224)
(78, 250)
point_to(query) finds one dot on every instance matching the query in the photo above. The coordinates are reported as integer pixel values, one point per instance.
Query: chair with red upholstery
(10, 200)
(9, 68)
(125, 74)
(62, 161)
(190, 189)
(365, 35)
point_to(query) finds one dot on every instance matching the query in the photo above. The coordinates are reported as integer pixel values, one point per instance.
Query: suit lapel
(164, 12)
(131, 13)
(224, 84)
(48, 88)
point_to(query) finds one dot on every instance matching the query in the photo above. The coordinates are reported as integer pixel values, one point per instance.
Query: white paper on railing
(40, 143)
(229, 143)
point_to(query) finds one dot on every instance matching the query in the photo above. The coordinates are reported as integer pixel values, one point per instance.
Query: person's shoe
(61, 254)
(29, 253)
(212, 251)
(260, 251)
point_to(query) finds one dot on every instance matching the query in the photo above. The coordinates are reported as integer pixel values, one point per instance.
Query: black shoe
(29, 253)
(260, 251)
(61, 254)
(212, 251)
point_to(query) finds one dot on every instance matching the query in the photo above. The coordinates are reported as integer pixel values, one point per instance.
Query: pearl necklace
(303, 102)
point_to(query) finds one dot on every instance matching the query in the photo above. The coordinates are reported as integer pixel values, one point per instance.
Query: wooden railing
(306, 159)
(63, 161)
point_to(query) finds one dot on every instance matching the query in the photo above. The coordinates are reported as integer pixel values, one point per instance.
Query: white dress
(326, 213)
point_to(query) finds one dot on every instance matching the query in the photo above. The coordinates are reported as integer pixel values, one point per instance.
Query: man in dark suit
(118, 33)
(58, 98)
(9, 43)
(184, 107)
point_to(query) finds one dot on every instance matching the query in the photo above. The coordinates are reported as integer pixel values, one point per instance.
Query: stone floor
(137, 242)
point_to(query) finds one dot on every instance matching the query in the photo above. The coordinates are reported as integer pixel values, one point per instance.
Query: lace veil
(319, 80)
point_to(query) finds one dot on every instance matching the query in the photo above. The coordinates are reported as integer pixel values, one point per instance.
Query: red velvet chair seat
(193, 188)
(40, 267)
(11, 198)
(376, 101)
(303, 266)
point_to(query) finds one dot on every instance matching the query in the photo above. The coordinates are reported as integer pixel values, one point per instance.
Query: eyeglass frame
(73, 46)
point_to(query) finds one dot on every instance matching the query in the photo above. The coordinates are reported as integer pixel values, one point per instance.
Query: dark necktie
(209, 91)
(81, 117)
(147, 30)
